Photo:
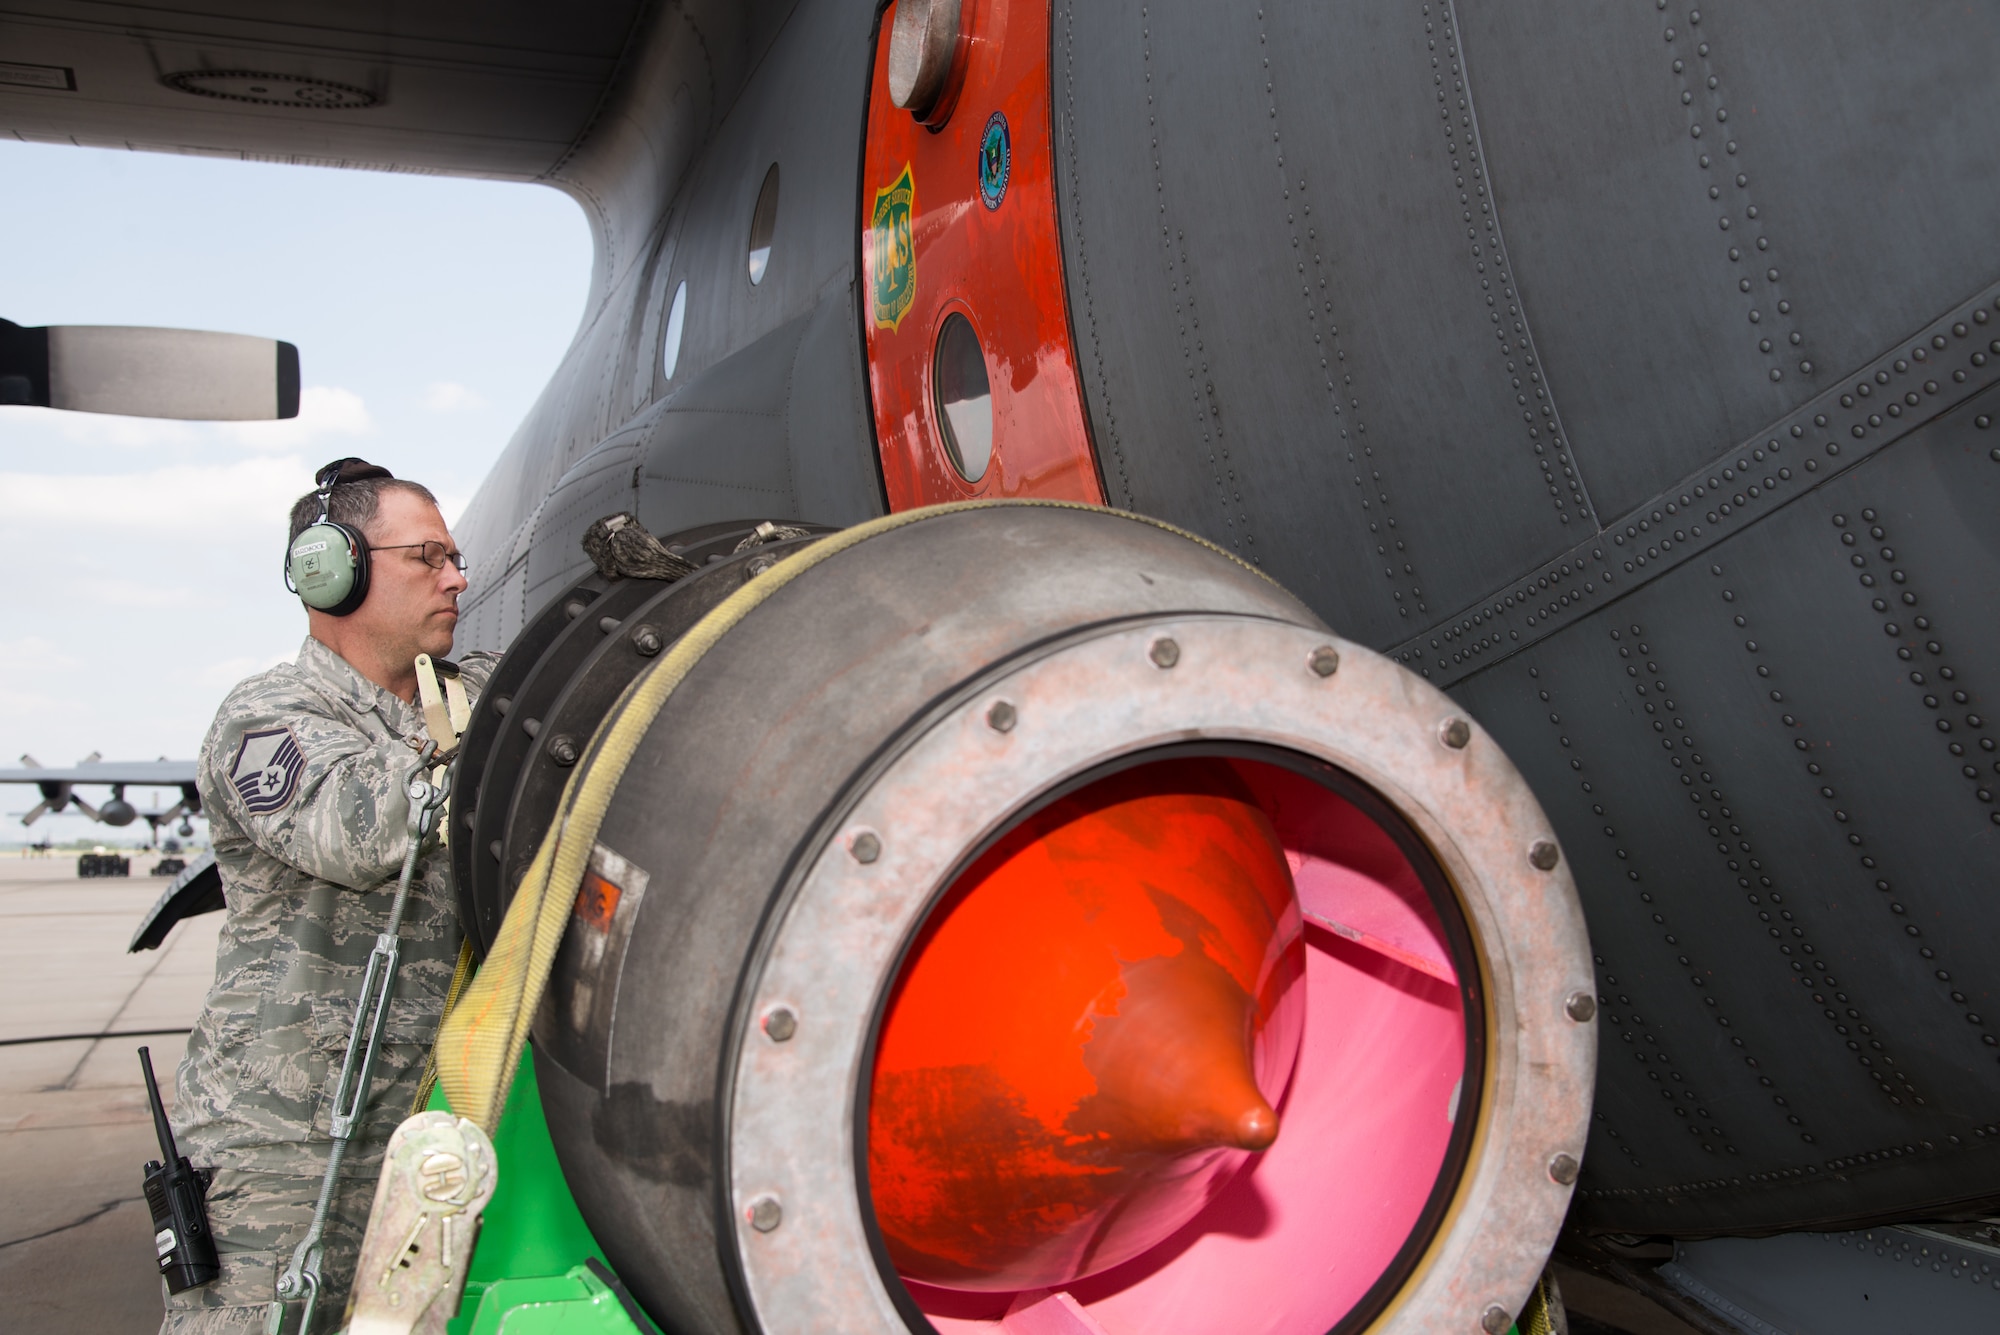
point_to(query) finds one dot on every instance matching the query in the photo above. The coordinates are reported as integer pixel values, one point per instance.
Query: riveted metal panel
(1718, 208)
(1774, 769)
(1295, 337)
(779, 428)
(1840, 1283)
(1749, 255)
(1941, 366)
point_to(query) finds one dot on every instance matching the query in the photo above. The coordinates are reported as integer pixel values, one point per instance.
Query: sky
(140, 559)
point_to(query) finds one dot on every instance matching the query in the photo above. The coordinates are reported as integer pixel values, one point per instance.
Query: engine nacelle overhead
(118, 811)
(1021, 900)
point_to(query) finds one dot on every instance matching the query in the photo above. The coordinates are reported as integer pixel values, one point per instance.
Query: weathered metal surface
(771, 888)
(1237, 680)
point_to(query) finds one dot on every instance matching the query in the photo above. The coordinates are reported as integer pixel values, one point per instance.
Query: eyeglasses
(433, 554)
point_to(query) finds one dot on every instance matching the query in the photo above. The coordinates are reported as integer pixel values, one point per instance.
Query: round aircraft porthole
(763, 223)
(670, 346)
(964, 398)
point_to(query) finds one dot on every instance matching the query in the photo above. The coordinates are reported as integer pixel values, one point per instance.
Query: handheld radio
(178, 1197)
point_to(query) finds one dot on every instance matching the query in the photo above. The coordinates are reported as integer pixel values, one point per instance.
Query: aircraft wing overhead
(610, 102)
(138, 773)
(503, 89)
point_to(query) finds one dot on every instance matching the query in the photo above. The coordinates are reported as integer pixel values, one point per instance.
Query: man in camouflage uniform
(302, 776)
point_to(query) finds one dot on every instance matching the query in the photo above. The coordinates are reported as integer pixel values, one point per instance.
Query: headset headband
(340, 471)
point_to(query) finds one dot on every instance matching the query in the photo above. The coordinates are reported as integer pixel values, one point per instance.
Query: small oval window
(964, 398)
(763, 223)
(670, 346)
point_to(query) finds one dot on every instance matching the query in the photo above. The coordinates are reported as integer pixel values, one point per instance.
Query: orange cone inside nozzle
(1090, 1035)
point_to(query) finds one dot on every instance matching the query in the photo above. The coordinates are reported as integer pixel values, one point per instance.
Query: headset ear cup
(327, 566)
(358, 547)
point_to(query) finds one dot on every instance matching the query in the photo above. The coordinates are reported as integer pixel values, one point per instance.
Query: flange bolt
(765, 1214)
(780, 1023)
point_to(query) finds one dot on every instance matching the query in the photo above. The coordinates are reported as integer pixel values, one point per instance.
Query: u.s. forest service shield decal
(267, 769)
(894, 277)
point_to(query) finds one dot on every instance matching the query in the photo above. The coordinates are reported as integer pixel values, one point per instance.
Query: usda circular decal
(996, 160)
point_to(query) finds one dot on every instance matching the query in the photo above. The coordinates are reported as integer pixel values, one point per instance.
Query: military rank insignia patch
(267, 770)
(996, 161)
(892, 251)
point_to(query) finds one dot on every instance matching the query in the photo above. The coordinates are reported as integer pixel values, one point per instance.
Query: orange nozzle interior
(1080, 1050)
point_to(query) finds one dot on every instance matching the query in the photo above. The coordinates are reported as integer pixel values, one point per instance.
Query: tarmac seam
(96, 1214)
(70, 1080)
(79, 1038)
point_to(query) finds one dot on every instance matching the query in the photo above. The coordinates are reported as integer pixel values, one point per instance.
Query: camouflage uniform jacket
(302, 778)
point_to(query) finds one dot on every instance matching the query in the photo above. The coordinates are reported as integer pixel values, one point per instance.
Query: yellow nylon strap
(437, 714)
(458, 707)
(1536, 1318)
(461, 974)
(479, 1045)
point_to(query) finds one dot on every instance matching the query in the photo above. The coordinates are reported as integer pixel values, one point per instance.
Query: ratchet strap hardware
(438, 1175)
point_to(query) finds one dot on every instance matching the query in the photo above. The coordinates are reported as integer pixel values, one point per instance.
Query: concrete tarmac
(76, 1241)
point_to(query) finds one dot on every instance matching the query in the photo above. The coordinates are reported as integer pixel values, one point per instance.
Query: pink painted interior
(1308, 1226)
(1048, 1314)
(1352, 904)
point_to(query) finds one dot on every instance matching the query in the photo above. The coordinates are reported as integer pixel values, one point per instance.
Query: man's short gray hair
(352, 503)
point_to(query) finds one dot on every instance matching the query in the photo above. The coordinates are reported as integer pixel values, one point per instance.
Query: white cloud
(254, 493)
(33, 675)
(227, 672)
(125, 432)
(324, 411)
(447, 396)
(34, 652)
(111, 594)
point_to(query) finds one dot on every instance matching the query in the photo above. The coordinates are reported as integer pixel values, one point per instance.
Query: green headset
(327, 564)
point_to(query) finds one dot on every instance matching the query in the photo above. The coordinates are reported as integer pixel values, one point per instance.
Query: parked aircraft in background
(58, 789)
